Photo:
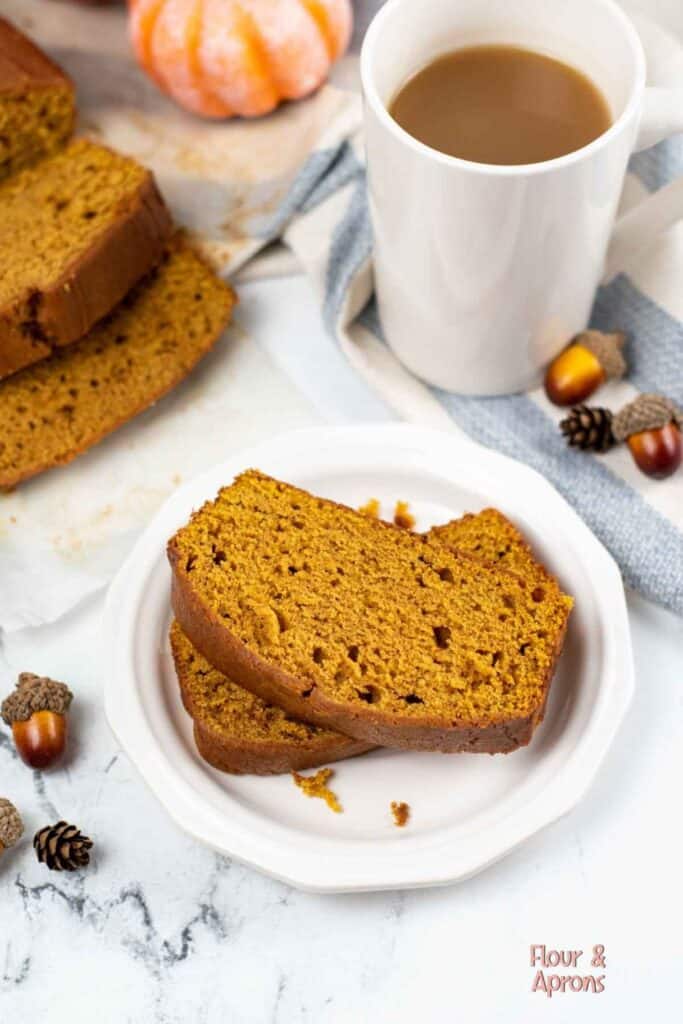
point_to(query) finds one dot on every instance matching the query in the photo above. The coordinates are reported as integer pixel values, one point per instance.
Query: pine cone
(62, 847)
(588, 428)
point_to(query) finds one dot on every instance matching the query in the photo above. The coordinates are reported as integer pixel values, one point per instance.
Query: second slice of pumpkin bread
(491, 537)
(350, 623)
(237, 732)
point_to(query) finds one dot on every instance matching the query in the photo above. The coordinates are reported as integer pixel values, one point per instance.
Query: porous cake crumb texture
(60, 207)
(83, 227)
(236, 731)
(490, 536)
(232, 710)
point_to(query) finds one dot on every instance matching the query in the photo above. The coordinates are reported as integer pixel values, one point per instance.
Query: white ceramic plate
(467, 810)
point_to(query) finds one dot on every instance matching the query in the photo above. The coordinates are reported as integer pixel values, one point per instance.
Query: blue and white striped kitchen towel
(324, 220)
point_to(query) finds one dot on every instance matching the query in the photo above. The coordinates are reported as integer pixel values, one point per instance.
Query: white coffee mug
(483, 272)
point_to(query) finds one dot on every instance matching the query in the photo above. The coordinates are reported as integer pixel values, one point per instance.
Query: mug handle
(662, 116)
(636, 230)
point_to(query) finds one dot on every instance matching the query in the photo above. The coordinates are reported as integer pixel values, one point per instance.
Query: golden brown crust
(93, 284)
(210, 636)
(247, 758)
(23, 65)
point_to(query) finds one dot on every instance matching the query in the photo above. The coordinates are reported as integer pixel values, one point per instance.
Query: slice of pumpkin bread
(350, 623)
(77, 231)
(37, 102)
(491, 537)
(236, 731)
(65, 404)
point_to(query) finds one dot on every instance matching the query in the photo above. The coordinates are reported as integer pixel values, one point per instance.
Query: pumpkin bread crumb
(371, 508)
(316, 786)
(403, 517)
(400, 812)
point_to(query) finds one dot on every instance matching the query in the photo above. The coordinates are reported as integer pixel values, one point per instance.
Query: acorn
(591, 358)
(651, 426)
(11, 825)
(37, 712)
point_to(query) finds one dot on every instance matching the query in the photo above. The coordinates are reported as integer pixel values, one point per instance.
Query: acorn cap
(11, 825)
(646, 412)
(35, 693)
(607, 350)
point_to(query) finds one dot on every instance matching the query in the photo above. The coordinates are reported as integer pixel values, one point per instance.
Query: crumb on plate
(316, 786)
(401, 813)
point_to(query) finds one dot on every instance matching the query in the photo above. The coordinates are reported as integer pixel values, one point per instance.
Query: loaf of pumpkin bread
(352, 624)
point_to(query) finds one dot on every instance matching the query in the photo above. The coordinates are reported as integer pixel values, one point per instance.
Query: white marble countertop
(162, 931)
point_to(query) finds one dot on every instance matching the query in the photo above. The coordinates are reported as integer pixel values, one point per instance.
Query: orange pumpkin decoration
(221, 58)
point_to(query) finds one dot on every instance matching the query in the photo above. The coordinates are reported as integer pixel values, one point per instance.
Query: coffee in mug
(501, 105)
